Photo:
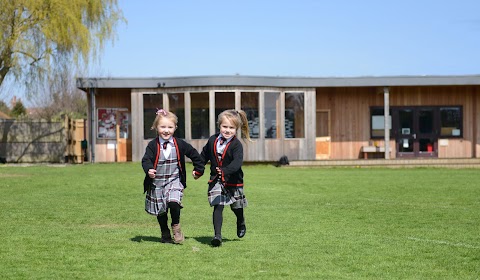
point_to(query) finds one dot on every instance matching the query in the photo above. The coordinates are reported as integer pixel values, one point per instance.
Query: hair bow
(161, 112)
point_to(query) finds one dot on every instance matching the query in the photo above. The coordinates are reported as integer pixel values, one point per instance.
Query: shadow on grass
(207, 239)
(141, 238)
(201, 239)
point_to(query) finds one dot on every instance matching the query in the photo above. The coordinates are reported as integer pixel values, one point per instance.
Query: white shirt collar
(160, 139)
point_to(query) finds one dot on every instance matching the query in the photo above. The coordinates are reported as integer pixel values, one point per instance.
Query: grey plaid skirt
(157, 198)
(220, 195)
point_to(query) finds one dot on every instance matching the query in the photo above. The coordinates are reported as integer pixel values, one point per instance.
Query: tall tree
(60, 97)
(39, 38)
(18, 110)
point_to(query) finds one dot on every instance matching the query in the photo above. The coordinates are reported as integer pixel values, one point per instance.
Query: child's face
(227, 129)
(166, 128)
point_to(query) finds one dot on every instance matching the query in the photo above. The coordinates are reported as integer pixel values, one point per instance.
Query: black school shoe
(166, 237)
(241, 229)
(216, 241)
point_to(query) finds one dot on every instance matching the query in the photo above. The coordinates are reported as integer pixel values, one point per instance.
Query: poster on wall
(108, 118)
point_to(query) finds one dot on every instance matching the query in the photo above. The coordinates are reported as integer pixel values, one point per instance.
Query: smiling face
(227, 128)
(165, 128)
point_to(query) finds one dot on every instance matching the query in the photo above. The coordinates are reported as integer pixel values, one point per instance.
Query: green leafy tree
(4, 107)
(18, 110)
(40, 38)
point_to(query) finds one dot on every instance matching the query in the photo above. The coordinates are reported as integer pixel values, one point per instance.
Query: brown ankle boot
(177, 234)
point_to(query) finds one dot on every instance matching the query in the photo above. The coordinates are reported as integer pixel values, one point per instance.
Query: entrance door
(415, 133)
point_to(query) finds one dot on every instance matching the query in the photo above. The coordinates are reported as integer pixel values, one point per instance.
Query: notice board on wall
(108, 118)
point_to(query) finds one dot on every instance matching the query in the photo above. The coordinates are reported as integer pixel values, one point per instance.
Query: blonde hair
(164, 114)
(237, 118)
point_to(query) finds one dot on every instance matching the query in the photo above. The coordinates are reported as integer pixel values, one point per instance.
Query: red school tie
(165, 145)
(222, 140)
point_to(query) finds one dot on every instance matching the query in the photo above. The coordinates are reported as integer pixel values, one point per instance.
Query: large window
(294, 115)
(445, 122)
(451, 122)
(272, 117)
(150, 104)
(223, 101)
(249, 104)
(176, 102)
(200, 119)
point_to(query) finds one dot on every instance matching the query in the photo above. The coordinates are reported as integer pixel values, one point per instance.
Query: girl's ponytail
(244, 127)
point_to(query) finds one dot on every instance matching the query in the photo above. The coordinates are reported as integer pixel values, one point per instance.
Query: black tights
(174, 209)
(218, 218)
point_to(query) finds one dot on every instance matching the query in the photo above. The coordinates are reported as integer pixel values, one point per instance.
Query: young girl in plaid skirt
(225, 153)
(165, 174)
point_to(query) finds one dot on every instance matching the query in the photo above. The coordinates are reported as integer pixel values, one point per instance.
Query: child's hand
(195, 175)
(151, 173)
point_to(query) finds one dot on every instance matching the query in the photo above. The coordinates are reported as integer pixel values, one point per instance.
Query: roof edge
(274, 81)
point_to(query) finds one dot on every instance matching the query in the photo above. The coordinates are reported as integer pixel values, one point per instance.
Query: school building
(304, 118)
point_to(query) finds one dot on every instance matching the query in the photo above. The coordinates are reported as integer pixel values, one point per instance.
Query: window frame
(437, 120)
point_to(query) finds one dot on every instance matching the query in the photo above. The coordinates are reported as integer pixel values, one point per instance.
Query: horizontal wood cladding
(456, 148)
(113, 98)
(350, 115)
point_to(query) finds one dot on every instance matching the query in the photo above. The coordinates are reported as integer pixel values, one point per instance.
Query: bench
(371, 150)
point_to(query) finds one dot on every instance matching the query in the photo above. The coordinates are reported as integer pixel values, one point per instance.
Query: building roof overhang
(276, 81)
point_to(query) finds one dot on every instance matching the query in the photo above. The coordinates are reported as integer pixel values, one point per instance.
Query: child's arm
(148, 158)
(148, 162)
(197, 160)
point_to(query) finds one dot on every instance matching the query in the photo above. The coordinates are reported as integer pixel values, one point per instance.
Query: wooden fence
(75, 151)
(41, 141)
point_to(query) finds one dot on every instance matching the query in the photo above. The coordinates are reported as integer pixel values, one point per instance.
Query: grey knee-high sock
(218, 219)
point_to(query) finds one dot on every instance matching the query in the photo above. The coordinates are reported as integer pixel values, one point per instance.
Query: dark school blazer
(230, 164)
(152, 154)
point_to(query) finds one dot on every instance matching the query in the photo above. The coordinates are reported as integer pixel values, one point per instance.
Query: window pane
(426, 145)
(176, 104)
(223, 101)
(425, 121)
(377, 118)
(451, 121)
(406, 145)
(272, 119)
(150, 104)
(200, 118)
(405, 117)
(249, 104)
(294, 115)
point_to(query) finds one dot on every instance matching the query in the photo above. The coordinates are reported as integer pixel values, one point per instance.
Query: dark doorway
(414, 131)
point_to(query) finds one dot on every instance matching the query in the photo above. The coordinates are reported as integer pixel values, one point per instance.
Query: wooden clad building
(301, 117)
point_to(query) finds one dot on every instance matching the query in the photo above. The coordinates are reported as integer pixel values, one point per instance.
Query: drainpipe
(386, 109)
(92, 124)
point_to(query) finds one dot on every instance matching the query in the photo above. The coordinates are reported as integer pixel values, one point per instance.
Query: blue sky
(294, 38)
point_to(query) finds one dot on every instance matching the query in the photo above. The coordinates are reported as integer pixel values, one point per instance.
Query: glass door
(426, 134)
(414, 132)
(406, 135)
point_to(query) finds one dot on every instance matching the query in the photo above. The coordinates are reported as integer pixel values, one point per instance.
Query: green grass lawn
(88, 222)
